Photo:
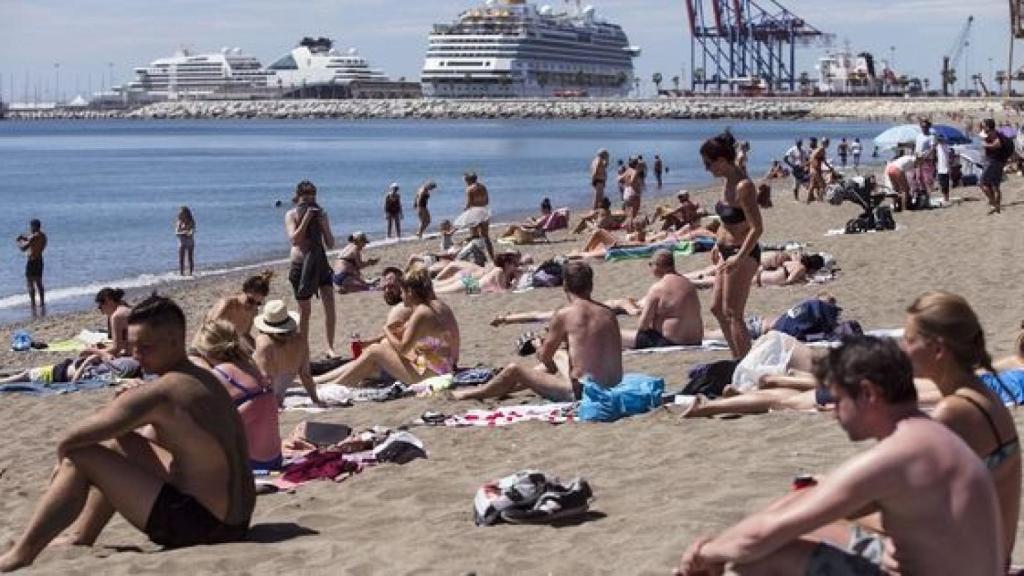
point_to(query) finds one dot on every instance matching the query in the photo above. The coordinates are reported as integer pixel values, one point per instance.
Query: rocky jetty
(659, 109)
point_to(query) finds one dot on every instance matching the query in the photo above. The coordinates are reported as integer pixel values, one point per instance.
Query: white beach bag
(769, 355)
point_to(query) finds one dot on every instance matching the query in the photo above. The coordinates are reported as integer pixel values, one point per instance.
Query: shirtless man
(33, 245)
(282, 354)
(476, 197)
(589, 329)
(670, 313)
(170, 455)
(936, 499)
(599, 176)
(241, 309)
(816, 165)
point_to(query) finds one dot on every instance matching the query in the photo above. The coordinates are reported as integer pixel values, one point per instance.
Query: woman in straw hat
(282, 354)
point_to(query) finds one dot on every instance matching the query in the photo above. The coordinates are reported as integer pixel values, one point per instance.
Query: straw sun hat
(276, 319)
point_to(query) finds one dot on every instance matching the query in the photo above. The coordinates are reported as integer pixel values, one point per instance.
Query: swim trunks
(34, 268)
(651, 338)
(827, 560)
(178, 520)
(295, 278)
(992, 174)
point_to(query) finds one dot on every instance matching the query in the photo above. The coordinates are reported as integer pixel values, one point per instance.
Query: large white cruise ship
(315, 69)
(509, 48)
(197, 76)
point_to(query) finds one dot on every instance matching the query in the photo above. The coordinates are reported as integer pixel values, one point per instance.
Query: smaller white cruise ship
(847, 73)
(315, 69)
(197, 76)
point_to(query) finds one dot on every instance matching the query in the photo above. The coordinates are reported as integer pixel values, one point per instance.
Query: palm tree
(656, 78)
(675, 83)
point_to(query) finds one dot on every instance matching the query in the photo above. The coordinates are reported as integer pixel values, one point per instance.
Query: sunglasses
(249, 300)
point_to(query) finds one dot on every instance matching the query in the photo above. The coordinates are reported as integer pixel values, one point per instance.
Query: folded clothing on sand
(530, 496)
(636, 394)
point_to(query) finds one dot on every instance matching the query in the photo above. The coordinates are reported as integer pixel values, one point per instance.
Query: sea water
(107, 191)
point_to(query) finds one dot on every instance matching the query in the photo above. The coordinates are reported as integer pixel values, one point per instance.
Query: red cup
(357, 348)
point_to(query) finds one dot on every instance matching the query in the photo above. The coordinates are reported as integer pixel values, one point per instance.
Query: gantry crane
(952, 57)
(737, 43)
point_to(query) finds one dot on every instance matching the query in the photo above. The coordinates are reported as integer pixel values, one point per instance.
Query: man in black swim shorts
(670, 311)
(208, 498)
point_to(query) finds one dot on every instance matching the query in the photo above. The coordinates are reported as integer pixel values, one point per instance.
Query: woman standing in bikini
(946, 344)
(421, 203)
(737, 241)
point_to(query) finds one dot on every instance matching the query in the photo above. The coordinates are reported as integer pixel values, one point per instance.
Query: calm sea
(107, 191)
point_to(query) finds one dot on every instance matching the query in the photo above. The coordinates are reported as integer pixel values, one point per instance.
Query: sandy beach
(659, 482)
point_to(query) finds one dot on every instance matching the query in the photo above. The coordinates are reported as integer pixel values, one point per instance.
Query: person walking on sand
(393, 210)
(169, 455)
(310, 236)
(33, 244)
(796, 159)
(994, 161)
(185, 230)
(599, 176)
(737, 241)
(477, 197)
(933, 494)
(817, 164)
(420, 202)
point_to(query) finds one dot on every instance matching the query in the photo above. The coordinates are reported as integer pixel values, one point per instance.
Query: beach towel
(705, 346)
(554, 413)
(556, 221)
(83, 340)
(877, 333)
(680, 248)
(336, 396)
(38, 389)
(636, 394)
(338, 465)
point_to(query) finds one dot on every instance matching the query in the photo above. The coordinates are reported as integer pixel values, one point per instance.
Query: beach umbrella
(952, 135)
(897, 136)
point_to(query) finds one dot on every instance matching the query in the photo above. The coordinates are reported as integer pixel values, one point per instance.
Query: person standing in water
(33, 245)
(393, 210)
(599, 175)
(421, 202)
(185, 230)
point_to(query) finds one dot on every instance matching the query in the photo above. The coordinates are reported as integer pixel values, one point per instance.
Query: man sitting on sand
(670, 311)
(170, 455)
(589, 329)
(935, 497)
(282, 354)
(240, 309)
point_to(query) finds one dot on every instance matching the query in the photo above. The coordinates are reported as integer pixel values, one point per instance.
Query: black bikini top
(730, 214)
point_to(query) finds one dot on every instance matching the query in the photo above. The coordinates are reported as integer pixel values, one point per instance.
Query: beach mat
(38, 389)
(83, 340)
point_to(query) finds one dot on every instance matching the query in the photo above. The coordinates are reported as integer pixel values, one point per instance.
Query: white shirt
(855, 148)
(796, 156)
(923, 144)
(942, 152)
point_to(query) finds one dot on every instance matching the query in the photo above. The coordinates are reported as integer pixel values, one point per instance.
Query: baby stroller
(864, 192)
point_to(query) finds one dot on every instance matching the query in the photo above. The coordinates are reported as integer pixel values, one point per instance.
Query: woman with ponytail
(737, 248)
(220, 349)
(946, 344)
(110, 302)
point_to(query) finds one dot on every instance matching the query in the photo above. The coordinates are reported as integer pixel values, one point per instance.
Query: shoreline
(693, 108)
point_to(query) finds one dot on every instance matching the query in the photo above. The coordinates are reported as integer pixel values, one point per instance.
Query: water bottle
(355, 345)
(21, 341)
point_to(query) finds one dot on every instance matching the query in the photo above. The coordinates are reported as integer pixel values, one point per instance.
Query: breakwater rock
(699, 108)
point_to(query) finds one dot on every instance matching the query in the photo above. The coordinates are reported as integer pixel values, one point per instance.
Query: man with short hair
(796, 159)
(33, 245)
(993, 164)
(169, 455)
(477, 197)
(599, 176)
(935, 497)
(589, 329)
(670, 311)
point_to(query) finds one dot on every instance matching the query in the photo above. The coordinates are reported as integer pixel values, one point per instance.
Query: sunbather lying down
(75, 369)
(501, 278)
(777, 269)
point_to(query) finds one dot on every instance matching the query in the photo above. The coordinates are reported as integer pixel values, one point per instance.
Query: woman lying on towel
(218, 348)
(778, 268)
(426, 345)
(501, 278)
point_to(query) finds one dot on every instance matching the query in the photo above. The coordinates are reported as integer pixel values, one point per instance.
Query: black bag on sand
(710, 379)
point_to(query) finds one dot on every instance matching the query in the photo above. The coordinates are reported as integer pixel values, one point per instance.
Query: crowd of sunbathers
(174, 452)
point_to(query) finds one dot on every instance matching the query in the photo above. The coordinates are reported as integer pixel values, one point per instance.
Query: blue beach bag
(636, 394)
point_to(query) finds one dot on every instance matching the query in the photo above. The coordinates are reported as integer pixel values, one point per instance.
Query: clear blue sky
(86, 36)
